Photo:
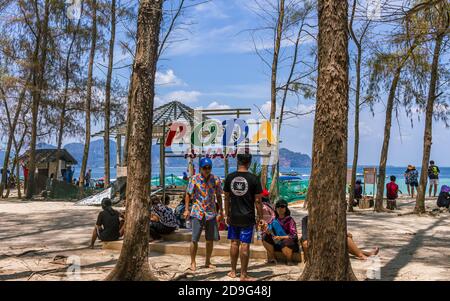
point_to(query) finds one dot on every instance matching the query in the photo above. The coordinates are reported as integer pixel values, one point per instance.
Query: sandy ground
(34, 233)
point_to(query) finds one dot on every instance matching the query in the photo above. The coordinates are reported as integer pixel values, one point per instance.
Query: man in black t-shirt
(242, 193)
(108, 226)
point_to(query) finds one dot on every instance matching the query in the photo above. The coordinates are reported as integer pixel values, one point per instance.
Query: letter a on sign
(264, 133)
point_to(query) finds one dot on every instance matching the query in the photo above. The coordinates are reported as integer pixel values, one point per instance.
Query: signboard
(121, 171)
(370, 175)
(349, 176)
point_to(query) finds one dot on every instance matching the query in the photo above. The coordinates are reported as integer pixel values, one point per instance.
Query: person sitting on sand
(392, 194)
(281, 234)
(358, 192)
(443, 200)
(352, 247)
(162, 218)
(108, 226)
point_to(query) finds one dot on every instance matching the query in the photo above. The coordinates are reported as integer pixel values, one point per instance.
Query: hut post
(119, 149)
(162, 161)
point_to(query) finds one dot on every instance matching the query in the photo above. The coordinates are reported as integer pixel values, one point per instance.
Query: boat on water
(291, 173)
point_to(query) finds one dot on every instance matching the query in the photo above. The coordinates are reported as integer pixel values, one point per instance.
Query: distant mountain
(45, 146)
(96, 152)
(288, 158)
(292, 159)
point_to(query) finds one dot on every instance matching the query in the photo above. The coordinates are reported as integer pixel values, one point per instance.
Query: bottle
(188, 223)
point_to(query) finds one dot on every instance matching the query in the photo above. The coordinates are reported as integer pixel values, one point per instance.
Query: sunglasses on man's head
(207, 167)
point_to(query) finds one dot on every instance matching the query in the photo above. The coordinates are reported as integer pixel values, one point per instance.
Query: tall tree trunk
(133, 261)
(273, 84)
(12, 129)
(38, 83)
(387, 128)
(87, 104)
(428, 133)
(386, 140)
(108, 93)
(62, 118)
(128, 121)
(357, 109)
(327, 226)
(274, 185)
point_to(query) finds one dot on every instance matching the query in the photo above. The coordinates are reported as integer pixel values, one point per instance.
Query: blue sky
(216, 66)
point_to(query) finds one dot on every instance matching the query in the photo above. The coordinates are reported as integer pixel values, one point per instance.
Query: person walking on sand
(242, 194)
(204, 188)
(433, 175)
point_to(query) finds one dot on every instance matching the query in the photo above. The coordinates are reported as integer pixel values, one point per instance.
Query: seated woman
(108, 226)
(281, 234)
(162, 219)
(358, 192)
(352, 247)
(443, 200)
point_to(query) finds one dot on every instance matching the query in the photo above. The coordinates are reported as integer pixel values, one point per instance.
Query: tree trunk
(38, 83)
(428, 133)
(273, 96)
(108, 94)
(133, 261)
(357, 110)
(274, 186)
(327, 226)
(386, 140)
(128, 121)
(19, 192)
(87, 104)
(12, 130)
(62, 118)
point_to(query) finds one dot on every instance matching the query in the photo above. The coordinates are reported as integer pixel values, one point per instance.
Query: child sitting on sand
(392, 194)
(108, 226)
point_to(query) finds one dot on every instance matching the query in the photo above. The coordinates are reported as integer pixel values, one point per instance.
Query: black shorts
(101, 235)
(289, 243)
(157, 229)
(414, 184)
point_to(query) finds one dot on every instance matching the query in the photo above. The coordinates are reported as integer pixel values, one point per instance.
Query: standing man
(203, 189)
(242, 194)
(87, 178)
(433, 175)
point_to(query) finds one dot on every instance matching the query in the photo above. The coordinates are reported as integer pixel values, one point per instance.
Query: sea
(303, 172)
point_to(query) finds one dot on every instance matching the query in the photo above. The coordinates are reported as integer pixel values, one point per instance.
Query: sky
(215, 66)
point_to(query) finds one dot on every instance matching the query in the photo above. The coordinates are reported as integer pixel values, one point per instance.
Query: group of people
(412, 179)
(246, 208)
(110, 223)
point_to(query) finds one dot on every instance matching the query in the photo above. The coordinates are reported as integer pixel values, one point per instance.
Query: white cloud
(215, 105)
(168, 79)
(182, 96)
(211, 10)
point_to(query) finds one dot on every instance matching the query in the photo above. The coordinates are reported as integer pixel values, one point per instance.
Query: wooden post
(162, 162)
(119, 150)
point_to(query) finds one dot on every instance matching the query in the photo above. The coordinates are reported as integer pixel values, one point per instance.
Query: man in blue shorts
(242, 194)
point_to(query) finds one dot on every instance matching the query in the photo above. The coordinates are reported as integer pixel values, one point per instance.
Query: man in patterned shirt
(204, 189)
